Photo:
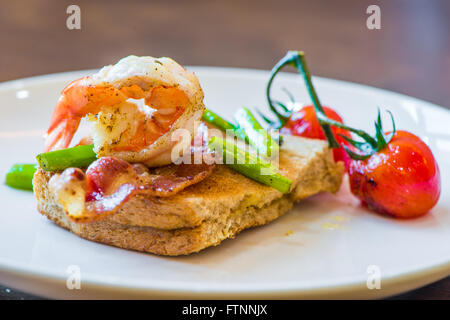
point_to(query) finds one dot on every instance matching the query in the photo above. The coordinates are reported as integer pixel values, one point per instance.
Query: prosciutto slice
(110, 182)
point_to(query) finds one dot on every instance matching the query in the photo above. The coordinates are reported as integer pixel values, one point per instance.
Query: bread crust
(206, 213)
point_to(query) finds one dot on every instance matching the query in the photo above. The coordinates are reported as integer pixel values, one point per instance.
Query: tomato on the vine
(391, 173)
(401, 180)
(304, 123)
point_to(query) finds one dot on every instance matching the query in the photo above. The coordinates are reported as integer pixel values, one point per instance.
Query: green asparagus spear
(257, 136)
(80, 156)
(20, 176)
(223, 124)
(250, 165)
(217, 120)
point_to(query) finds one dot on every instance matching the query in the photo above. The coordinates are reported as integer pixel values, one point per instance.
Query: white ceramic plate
(326, 247)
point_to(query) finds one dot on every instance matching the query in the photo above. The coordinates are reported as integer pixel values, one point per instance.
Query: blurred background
(409, 54)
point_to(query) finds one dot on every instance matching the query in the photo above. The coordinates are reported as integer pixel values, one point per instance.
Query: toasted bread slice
(206, 213)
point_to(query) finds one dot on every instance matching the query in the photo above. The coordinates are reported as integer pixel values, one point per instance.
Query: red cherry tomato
(401, 180)
(304, 123)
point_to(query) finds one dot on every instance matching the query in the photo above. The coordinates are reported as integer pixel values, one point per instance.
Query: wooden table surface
(410, 54)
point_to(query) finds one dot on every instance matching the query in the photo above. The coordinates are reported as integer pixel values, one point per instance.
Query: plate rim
(440, 270)
(49, 77)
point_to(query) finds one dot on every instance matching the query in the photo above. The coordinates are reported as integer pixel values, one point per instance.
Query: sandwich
(136, 193)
